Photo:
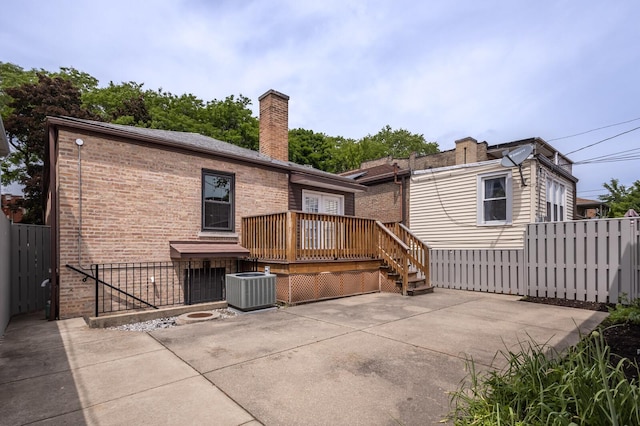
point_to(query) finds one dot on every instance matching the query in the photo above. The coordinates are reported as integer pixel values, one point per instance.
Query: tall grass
(541, 387)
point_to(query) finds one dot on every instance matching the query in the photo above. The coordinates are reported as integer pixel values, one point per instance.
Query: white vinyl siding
(443, 207)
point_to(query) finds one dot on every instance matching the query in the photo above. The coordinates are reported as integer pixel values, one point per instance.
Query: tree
(620, 199)
(231, 120)
(30, 104)
(349, 154)
(122, 103)
(309, 148)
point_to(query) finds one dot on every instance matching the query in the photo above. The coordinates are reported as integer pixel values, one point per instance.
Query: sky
(497, 71)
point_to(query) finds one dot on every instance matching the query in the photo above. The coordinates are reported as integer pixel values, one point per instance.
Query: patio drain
(200, 316)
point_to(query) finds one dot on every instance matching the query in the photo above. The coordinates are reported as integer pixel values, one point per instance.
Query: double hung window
(494, 199)
(217, 201)
(556, 201)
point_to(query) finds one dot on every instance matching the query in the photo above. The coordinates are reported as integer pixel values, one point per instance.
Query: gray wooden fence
(589, 260)
(30, 263)
(494, 271)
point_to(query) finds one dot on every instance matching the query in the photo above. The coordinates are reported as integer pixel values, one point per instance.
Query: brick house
(120, 194)
(12, 207)
(464, 198)
(590, 209)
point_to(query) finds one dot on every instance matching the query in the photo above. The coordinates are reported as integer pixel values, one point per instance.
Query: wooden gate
(30, 264)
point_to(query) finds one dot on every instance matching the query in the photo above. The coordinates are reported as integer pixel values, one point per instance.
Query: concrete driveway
(376, 359)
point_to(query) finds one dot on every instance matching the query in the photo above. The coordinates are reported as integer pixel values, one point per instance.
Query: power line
(621, 156)
(603, 140)
(593, 130)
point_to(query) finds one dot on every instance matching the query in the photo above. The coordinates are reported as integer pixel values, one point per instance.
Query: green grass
(541, 387)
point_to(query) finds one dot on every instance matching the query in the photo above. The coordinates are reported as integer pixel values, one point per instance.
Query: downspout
(54, 275)
(80, 143)
(404, 201)
(400, 191)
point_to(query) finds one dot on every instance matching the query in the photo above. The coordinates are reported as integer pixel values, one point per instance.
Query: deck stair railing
(418, 250)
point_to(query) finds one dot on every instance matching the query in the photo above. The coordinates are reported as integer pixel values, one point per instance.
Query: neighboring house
(465, 198)
(11, 207)
(121, 194)
(5, 236)
(590, 209)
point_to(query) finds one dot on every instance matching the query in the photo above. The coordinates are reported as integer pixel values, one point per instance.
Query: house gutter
(54, 273)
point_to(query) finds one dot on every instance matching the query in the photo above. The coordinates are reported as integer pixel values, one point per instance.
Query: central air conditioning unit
(251, 290)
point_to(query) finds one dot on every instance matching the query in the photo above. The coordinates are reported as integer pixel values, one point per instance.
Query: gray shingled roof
(202, 143)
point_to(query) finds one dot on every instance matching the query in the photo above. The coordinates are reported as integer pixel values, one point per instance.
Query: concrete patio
(375, 359)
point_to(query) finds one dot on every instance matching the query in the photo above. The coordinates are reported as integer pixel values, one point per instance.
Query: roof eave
(340, 181)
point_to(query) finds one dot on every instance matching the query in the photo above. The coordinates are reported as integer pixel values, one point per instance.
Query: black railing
(151, 285)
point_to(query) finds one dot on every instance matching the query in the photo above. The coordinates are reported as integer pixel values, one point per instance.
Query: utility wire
(593, 130)
(615, 155)
(603, 140)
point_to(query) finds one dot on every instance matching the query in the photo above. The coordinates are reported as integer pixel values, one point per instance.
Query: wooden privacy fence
(30, 263)
(495, 271)
(591, 260)
(588, 260)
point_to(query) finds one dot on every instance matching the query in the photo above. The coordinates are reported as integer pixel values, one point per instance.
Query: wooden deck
(308, 243)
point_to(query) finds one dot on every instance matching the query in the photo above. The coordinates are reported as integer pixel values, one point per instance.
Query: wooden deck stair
(410, 253)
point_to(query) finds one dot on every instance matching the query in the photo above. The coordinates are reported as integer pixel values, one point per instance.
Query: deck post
(291, 236)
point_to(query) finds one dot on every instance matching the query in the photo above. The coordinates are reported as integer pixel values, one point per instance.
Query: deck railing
(297, 237)
(418, 250)
(395, 253)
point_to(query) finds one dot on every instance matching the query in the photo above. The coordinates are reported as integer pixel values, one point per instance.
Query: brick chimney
(467, 151)
(274, 125)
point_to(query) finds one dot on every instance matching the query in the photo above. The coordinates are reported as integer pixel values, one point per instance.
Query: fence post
(97, 292)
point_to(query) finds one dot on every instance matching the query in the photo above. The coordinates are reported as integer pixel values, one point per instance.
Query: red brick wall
(274, 125)
(135, 199)
(381, 201)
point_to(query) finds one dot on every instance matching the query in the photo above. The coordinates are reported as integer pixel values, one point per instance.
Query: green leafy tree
(30, 104)
(231, 120)
(122, 103)
(349, 154)
(309, 148)
(12, 76)
(401, 143)
(620, 198)
(345, 154)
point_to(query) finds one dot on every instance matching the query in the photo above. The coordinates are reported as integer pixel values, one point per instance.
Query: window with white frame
(494, 199)
(320, 233)
(322, 202)
(556, 201)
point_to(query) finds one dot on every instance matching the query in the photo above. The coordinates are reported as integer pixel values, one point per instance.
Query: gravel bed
(166, 322)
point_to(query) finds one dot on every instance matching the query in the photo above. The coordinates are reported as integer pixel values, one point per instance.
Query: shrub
(539, 386)
(625, 312)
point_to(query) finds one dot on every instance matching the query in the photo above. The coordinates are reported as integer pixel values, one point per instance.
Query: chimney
(466, 150)
(274, 125)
